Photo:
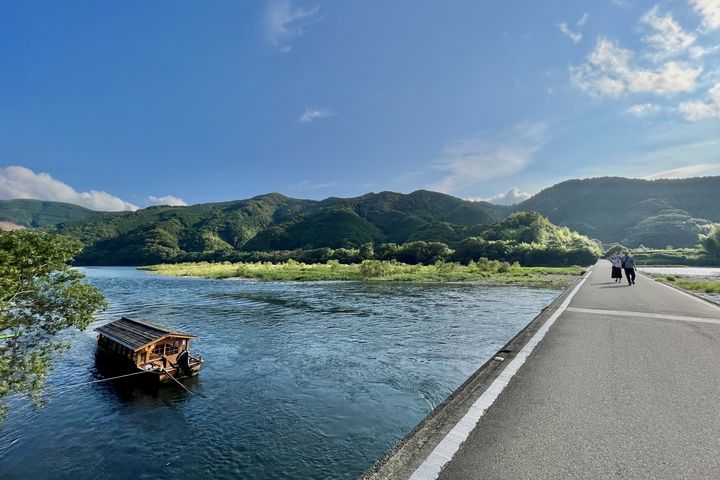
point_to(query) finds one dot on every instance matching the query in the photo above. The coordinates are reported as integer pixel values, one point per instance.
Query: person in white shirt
(616, 269)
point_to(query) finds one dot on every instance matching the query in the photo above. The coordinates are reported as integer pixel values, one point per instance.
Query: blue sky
(117, 105)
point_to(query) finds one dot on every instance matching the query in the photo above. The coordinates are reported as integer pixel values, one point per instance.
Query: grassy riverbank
(693, 284)
(690, 257)
(492, 272)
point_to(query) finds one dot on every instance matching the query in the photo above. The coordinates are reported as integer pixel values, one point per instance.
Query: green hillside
(530, 239)
(275, 222)
(38, 213)
(630, 211)
(653, 213)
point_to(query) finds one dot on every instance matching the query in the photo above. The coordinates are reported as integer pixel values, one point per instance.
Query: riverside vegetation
(705, 254)
(495, 255)
(484, 270)
(40, 296)
(363, 263)
(701, 286)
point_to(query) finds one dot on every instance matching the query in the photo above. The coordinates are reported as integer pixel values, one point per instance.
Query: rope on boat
(183, 386)
(65, 387)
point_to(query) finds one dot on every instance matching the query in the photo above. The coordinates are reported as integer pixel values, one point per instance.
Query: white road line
(676, 290)
(661, 316)
(448, 446)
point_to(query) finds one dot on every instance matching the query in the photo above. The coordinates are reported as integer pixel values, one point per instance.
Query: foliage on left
(40, 296)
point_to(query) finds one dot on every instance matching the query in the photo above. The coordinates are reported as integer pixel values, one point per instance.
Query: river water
(302, 380)
(683, 271)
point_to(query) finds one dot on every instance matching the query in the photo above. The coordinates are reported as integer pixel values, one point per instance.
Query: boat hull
(112, 364)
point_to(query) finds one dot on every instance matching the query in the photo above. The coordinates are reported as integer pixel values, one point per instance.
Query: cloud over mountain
(471, 161)
(169, 200)
(511, 197)
(21, 182)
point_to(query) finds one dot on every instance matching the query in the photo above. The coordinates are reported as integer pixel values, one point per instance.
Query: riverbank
(490, 272)
(689, 257)
(694, 284)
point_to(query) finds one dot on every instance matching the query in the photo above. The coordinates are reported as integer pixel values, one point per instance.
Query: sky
(119, 105)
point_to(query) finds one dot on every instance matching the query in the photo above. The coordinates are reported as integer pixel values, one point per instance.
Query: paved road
(626, 384)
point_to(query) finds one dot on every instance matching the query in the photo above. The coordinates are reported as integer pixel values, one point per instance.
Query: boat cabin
(148, 346)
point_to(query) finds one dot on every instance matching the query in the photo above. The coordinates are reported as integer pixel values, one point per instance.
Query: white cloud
(169, 200)
(610, 71)
(315, 113)
(684, 172)
(576, 37)
(702, 109)
(307, 185)
(511, 197)
(583, 20)
(668, 148)
(286, 23)
(472, 161)
(643, 109)
(709, 10)
(21, 182)
(667, 38)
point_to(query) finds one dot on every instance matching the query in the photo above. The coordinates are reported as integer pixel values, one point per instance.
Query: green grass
(708, 286)
(491, 272)
(691, 257)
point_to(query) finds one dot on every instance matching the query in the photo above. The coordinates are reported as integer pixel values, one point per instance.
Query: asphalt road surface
(626, 384)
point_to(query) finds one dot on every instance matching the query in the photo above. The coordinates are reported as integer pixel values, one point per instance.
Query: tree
(40, 295)
(711, 241)
(426, 253)
(366, 252)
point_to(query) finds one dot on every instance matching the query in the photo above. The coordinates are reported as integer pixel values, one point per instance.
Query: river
(302, 380)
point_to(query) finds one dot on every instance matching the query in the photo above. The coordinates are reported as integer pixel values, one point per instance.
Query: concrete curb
(407, 455)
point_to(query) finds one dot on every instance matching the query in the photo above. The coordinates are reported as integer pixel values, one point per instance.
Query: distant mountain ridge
(611, 209)
(41, 213)
(277, 222)
(655, 213)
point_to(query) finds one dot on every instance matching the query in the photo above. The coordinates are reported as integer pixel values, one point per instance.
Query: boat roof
(136, 334)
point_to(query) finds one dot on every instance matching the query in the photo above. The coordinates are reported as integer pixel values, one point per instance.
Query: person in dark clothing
(628, 264)
(616, 270)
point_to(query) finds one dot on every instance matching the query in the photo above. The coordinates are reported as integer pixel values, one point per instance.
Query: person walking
(628, 264)
(616, 270)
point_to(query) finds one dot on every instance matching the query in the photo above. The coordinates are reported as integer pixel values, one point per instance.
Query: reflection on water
(302, 380)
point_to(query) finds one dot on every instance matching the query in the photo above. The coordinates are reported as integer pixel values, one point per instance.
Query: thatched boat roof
(136, 334)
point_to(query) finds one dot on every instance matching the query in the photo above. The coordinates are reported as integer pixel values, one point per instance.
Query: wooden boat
(144, 346)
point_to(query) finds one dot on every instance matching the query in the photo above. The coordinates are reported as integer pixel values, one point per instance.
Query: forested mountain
(276, 222)
(39, 213)
(653, 213)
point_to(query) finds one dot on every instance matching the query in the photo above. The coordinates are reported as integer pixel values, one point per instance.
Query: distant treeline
(526, 238)
(706, 255)
(414, 253)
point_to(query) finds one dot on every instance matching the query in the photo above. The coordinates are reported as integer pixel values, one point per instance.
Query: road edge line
(687, 293)
(450, 444)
